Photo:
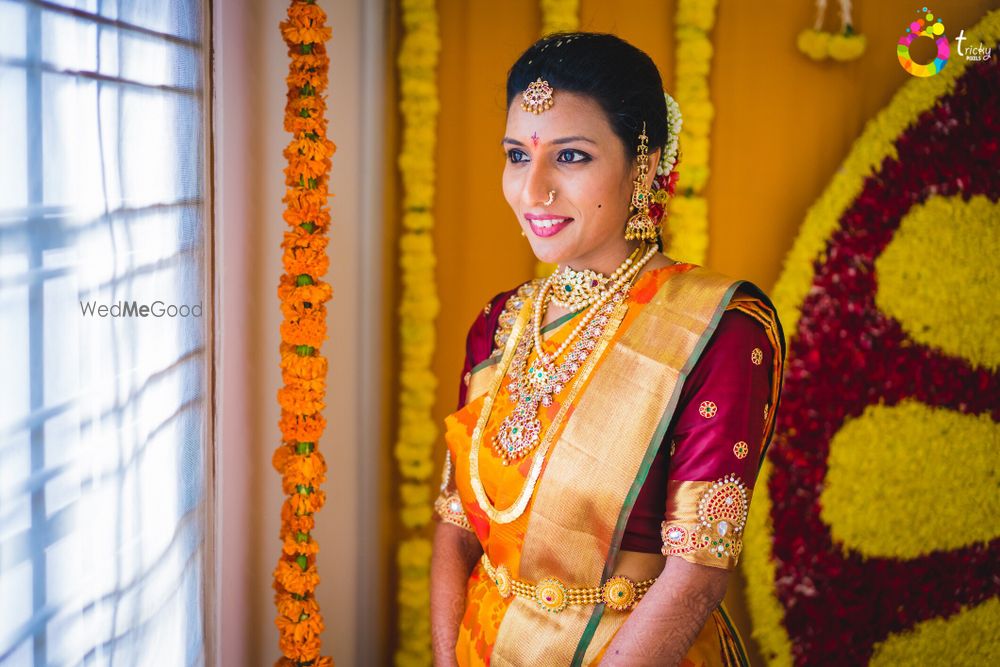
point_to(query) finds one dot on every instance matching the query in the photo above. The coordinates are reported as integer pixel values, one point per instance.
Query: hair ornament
(537, 97)
(668, 159)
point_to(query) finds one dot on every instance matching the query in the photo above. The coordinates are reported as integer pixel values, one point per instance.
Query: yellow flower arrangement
(886, 457)
(688, 237)
(560, 16)
(418, 308)
(820, 45)
(302, 294)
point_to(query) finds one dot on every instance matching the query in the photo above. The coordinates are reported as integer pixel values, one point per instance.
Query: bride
(612, 416)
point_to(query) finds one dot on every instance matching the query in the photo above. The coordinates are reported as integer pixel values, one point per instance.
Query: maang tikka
(641, 226)
(537, 97)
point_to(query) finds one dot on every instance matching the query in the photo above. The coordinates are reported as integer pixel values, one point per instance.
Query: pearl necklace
(630, 269)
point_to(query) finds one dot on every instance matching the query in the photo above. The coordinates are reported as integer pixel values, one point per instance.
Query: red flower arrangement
(846, 355)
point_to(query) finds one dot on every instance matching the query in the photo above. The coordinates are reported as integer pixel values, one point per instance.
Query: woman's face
(572, 150)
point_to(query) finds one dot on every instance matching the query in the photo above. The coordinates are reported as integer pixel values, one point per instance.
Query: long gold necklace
(535, 385)
(516, 509)
(520, 504)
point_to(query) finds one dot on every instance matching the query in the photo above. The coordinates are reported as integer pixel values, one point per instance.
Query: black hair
(621, 78)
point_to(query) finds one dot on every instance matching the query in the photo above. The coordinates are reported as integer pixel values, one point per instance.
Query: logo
(925, 26)
(973, 53)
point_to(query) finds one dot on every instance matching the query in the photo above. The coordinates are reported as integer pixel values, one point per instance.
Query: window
(105, 447)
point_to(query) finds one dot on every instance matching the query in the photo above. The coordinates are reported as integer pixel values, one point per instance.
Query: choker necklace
(576, 290)
(533, 386)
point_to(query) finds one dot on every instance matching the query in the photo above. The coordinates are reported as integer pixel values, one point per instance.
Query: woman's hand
(455, 554)
(665, 623)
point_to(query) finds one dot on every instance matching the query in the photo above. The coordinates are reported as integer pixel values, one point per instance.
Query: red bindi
(534, 139)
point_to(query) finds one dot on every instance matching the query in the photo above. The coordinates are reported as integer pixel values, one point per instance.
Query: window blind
(104, 428)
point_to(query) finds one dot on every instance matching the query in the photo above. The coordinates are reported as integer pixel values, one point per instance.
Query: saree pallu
(572, 527)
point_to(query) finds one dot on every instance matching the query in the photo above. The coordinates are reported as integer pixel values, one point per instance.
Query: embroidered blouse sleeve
(716, 445)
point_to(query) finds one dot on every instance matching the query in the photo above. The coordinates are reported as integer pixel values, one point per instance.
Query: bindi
(534, 139)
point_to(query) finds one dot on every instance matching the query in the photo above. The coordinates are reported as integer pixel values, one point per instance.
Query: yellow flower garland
(875, 143)
(693, 53)
(417, 434)
(560, 16)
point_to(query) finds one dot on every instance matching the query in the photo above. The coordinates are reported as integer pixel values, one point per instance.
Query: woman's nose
(537, 185)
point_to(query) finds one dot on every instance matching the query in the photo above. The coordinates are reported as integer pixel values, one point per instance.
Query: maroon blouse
(722, 375)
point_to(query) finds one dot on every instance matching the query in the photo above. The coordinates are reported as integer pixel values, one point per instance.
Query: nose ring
(552, 198)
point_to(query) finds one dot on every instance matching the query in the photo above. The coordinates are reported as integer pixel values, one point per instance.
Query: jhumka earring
(641, 226)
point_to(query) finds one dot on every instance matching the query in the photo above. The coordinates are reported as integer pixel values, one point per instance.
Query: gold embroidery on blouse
(757, 356)
(449, 508)
(448, 505)
(741, 449)
(705, 521)
(708, 409)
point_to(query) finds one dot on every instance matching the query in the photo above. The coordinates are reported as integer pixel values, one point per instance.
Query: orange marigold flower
(280, 457)
(307, 503)
(294, 578)
(304, 403)
(300, 650)
(320, 217)
(305, 261)
(306, 198)
(301, 78)
(305, 470)
(293, 547)
(303, 523)
(305, 331)
(297, 124)
(307, 368)
(301, 428)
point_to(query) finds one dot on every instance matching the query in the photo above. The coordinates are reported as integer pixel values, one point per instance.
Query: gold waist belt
(619, 592)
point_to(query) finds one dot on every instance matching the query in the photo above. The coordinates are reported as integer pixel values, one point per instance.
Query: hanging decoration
(560, 16)
(873, 540)
(843, 46)
(688, 227)
(303, 293)
(417, 434)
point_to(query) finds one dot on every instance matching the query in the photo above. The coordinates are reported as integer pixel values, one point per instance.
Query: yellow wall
(783, 124)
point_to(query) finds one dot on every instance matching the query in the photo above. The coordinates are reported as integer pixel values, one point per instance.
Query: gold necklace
(520, 504)
(534, 385)
(575, 290)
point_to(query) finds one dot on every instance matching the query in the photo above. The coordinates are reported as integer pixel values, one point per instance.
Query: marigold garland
(860, 356)
(688, 238)
(302, 293)
(417, 434)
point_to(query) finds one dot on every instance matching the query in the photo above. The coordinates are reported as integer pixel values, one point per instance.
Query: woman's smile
(547, 225)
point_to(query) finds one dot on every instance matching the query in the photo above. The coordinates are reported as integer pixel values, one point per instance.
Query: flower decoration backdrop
(875, 540)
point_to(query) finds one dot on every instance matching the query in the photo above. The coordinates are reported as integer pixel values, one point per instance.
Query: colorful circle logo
(925, 26)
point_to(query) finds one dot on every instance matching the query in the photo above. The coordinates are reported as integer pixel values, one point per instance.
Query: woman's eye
(515, 155)
(568, 156)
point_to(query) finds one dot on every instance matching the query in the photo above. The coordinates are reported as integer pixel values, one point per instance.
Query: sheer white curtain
(105, 449)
